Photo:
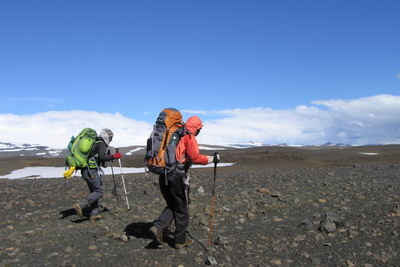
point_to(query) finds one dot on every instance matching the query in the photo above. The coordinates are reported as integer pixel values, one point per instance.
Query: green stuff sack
(79, 148)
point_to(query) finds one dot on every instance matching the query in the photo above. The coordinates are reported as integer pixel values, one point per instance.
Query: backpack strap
(92, 159)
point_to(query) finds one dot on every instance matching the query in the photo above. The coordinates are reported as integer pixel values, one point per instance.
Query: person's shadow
(71, 212)
(66, 213)
(141, 230)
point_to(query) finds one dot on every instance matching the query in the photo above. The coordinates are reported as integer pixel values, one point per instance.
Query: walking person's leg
(181, 211)
(96, 188)
(95, 185)
(165, 218)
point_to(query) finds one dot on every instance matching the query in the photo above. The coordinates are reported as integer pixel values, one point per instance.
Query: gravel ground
(274, 208)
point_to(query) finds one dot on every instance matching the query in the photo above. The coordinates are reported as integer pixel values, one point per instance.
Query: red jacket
(188, 149)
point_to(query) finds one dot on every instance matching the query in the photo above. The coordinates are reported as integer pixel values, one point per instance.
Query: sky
(295, 72)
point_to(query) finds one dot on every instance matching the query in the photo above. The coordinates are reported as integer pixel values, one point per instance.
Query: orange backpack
(161, 145)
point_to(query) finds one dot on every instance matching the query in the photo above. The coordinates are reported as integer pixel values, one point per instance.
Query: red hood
(193, 124)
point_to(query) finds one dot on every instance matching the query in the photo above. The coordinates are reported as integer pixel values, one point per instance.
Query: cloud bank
(370, 120)
(55, 128)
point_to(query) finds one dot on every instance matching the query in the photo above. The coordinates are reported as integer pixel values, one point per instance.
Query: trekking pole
(123, 183)
(114, 191)
(212, 206)
(146, 170)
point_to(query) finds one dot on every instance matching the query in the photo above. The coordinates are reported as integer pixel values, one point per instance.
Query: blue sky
(137, 57)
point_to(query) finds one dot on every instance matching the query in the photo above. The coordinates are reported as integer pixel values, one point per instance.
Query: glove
(216, 158)
(210, 159)
(117, 155)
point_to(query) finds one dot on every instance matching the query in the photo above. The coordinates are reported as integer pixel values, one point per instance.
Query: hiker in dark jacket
(92, 175)
(187, 153)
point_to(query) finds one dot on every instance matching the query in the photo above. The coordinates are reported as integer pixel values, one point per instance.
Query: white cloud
(55, 128)
(370, 120)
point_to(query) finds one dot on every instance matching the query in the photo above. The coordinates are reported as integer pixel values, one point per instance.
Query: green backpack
(79, 148)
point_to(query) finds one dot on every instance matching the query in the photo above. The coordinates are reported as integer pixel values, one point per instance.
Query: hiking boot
(78, 209)
(188, 243)
(96, 217)
(156, 234)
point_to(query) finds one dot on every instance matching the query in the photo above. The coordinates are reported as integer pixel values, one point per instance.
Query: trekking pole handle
(217, 157)
(117, 151)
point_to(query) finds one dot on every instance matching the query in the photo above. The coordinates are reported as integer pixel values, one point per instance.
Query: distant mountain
(246, 145)
(256, 144)
(4, 146)
(332, 144)
(27, 150)
(31, 150)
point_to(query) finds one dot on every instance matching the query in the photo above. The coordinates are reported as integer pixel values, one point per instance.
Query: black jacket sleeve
(99, 151)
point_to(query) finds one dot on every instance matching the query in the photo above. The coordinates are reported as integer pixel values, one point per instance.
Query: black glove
(217, 158)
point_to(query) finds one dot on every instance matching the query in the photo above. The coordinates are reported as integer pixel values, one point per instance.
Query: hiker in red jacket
(175, 191)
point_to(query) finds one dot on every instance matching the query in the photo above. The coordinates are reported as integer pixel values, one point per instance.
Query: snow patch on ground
(19, 149)
(57, 172)
(368, 153)
(133, 151)
(55, 153)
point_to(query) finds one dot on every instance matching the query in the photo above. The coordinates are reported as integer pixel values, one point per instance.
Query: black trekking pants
(95, 185)
(177, 208)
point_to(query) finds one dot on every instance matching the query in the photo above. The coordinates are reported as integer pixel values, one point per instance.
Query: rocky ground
(276, 207)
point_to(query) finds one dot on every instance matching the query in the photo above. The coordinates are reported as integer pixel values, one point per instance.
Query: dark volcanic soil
(276, 207)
